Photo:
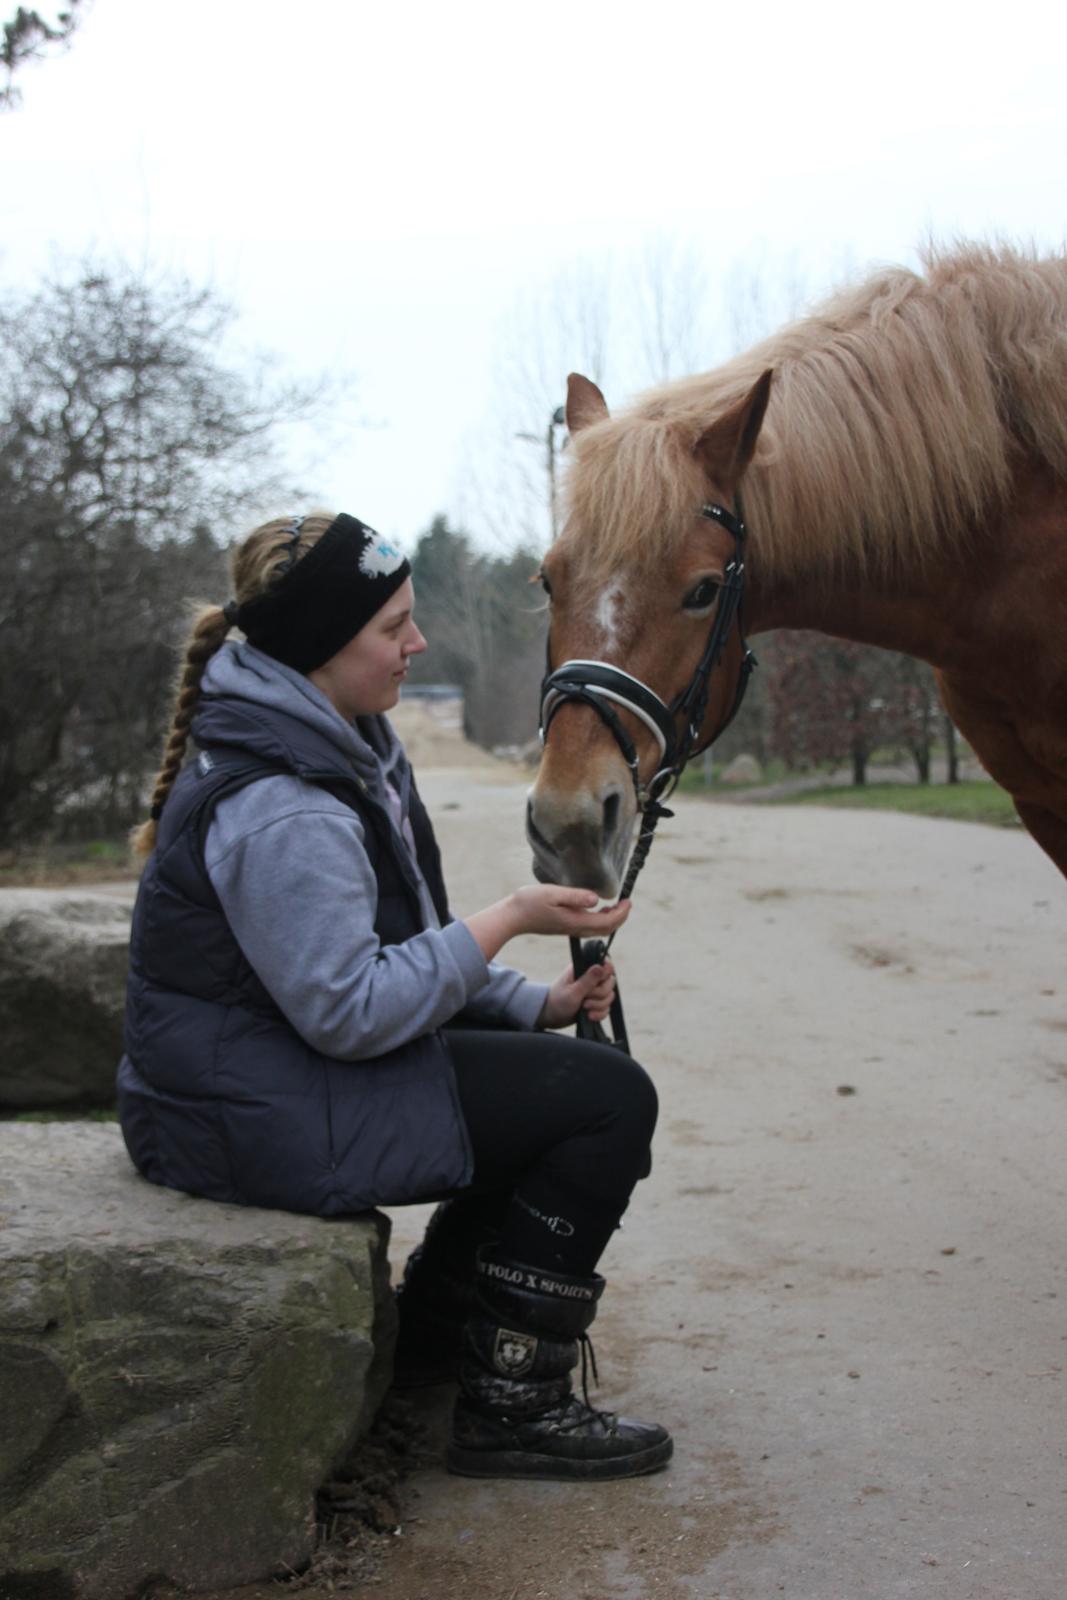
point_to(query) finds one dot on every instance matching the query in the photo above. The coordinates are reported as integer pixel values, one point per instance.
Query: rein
(601, 686)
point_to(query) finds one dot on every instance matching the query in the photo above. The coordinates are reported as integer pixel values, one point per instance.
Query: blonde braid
(209, 633)
(255, 564)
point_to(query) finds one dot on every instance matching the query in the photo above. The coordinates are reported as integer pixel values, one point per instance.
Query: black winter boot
(516, 1416)
(434, 1298)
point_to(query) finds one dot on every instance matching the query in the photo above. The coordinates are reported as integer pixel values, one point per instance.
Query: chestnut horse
(903, 459)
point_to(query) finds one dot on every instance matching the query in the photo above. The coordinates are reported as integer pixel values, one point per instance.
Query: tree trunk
(921, 754)
(951, 752)
(859, 765)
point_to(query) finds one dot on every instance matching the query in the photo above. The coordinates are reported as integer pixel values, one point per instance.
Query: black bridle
(676, 727)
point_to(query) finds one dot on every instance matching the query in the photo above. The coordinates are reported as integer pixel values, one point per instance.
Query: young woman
(309, 1028)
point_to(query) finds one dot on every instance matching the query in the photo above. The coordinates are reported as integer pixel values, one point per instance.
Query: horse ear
(726, 447)
(585, 403)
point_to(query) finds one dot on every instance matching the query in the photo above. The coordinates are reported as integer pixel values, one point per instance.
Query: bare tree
(28, 36)
(566, 327)
(486, 625)
(126, 448)
(672, 307)
(672, 311)
(114, 396)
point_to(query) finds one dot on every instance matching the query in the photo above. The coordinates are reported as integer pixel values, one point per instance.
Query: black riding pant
(560, 1130)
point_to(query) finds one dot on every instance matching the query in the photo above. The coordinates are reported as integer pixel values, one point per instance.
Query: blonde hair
(254, 567)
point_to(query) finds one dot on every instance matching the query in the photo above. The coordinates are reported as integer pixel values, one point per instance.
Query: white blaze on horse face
(607, 615)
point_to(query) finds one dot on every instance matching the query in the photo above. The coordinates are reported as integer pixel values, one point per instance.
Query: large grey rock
(742, 769)
(63, 961)
(176, 1377)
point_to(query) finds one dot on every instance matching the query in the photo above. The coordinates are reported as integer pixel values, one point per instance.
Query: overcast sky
(378, 187)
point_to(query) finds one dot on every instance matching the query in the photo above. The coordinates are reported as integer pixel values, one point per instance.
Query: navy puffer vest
(218, 1095)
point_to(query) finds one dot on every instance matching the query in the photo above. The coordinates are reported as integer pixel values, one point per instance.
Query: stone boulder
(741, 770)
(177, 1377)
(63, 957)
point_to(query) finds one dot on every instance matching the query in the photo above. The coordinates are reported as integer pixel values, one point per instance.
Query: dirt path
(843, 1286)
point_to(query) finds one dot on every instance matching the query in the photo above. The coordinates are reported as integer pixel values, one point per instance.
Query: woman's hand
(544, 908)
(592, 993)
(553, 908)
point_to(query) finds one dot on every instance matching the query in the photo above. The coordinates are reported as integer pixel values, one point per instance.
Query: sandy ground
(848, 1306)
(432, 733)
(843, 1287)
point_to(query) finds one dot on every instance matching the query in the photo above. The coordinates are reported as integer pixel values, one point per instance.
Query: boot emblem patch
(513, 1353)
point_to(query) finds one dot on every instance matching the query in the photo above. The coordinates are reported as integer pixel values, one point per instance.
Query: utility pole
(558, 419)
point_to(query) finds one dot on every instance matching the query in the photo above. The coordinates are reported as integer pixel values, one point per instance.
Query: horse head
(647, 558)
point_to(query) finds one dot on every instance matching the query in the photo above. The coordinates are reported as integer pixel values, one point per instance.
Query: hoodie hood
(303, 731)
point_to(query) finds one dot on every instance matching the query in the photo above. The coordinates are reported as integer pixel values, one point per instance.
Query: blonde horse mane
(898, 411)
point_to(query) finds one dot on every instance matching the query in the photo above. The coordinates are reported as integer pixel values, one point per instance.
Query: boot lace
(588, 1364)
(576, 1414)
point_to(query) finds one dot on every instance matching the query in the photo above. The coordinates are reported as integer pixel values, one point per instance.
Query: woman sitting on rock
(309, 1028)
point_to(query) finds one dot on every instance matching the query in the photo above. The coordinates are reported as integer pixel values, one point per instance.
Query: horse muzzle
(581, 837)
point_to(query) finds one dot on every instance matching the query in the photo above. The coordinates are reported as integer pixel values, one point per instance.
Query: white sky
(377, 186)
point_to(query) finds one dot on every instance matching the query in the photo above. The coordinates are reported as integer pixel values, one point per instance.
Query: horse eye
(702, 596)
(546, 586)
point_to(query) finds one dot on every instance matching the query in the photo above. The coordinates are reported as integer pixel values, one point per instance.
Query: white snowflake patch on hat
(379, 557)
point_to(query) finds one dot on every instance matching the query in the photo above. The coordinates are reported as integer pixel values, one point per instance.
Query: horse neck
(965, 612)
(896, 614)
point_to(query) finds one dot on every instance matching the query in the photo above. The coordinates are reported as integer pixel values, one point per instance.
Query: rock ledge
(63, 957)
(177, 1377)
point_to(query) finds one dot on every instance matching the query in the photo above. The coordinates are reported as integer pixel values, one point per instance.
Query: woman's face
(365, 677)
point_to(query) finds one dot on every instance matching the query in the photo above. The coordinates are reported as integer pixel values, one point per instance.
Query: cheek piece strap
(676, 727)
(601, 686)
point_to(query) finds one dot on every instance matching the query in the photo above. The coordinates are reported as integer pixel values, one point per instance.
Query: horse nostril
(533, 832)
(611, 815)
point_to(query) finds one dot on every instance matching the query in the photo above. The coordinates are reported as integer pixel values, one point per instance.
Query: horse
(902, 453)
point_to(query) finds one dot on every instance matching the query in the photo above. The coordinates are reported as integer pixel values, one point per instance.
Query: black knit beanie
(323, 599)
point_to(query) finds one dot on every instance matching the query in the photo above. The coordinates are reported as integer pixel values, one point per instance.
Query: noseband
(601, 686)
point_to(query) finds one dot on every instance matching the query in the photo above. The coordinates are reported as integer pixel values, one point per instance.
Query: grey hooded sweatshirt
(288, 863)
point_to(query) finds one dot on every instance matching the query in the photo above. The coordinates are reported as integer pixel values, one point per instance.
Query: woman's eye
(700, 598)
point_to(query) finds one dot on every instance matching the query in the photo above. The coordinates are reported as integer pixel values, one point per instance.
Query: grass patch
(694, 782)
(46, 866)
(974, 801)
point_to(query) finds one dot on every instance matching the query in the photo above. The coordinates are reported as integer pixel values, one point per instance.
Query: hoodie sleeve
(507, 996)
(289, 867)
